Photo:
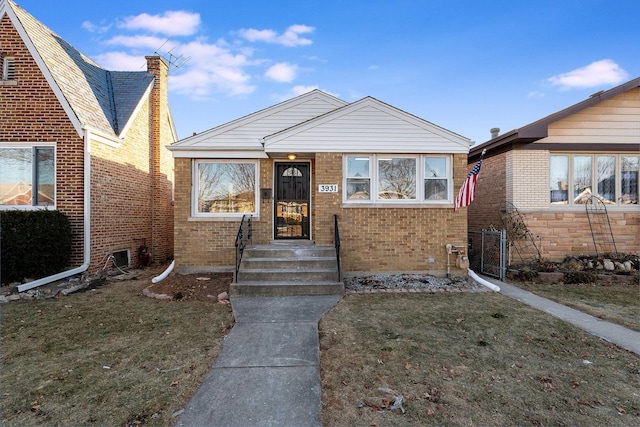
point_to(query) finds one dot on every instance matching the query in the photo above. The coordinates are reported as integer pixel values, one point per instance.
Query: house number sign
(328, 188)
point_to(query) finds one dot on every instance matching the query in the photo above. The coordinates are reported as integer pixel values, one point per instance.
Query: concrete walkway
(268, 371)
(619, 335)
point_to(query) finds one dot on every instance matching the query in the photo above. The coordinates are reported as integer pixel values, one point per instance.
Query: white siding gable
(367, 125)
(246, 133)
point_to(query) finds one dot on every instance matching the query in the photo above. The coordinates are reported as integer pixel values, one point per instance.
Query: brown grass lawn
(109, 357)
(617, 303)
(469, 359)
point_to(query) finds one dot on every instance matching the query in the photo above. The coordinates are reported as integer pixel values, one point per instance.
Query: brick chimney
(160, 162)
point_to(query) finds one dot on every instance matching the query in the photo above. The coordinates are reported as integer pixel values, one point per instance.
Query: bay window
(573, 178)
(27, 176)
(390, 179)
(225, 188)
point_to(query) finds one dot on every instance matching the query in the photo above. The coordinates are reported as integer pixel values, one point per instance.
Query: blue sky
(467, 66)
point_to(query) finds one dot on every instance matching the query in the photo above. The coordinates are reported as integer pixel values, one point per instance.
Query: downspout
(87, 225)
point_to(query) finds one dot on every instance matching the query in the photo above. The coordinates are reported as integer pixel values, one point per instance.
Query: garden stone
(619, 266)
(608, 265)
(628, 266)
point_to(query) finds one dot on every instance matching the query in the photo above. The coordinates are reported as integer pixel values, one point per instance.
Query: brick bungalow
(90, 140)
(389, 176)
(547, 168)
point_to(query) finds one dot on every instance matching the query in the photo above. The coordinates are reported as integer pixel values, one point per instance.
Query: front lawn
(468, 359)
(109, 357)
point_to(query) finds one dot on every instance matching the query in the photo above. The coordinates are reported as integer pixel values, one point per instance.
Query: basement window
(121, 258)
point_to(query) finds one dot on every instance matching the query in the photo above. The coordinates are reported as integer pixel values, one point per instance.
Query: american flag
(468, 190)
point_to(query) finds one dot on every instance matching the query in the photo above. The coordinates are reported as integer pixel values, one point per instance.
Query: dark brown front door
(292, 198)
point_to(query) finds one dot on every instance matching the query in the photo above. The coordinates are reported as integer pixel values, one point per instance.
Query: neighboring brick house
(546, 168)
(90, 140)
(389, 176)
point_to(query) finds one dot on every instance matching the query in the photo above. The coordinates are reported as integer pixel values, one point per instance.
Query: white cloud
(599, 73)
(291, 36)
(171, 23)
(121, 61)
(95, 28)
(282, 72)
(142, 42)
(373, 67)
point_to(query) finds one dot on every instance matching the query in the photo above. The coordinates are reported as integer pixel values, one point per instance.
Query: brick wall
(130, 185)
(527, 178)
(30, 113)
(568, 233)
(491, 194)
(373, 239)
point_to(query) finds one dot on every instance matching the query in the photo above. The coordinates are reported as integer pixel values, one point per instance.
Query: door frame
(274, 212)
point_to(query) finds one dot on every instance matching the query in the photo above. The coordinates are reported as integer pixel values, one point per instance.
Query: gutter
(87, 225)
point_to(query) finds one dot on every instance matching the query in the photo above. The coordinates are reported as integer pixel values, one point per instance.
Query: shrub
(578, 276)
(35, 244)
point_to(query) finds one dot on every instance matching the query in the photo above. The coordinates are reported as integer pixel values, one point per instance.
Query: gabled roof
(247, 133)
(92, 96)
(539, 129)
(367, 125)
(319, 122)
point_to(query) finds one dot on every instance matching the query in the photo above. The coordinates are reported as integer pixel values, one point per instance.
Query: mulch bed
(193, 287)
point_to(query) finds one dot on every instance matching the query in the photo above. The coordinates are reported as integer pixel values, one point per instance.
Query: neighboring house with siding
(548, 168)
(389, 176)
(91, 141)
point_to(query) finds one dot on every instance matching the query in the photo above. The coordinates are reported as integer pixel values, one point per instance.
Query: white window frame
(419, 180)
(34, 147)
(594, 177)
(223, 215)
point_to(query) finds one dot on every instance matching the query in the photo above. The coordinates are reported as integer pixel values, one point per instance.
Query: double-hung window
(225, 188)
(392, 179)
(27, 176)
(573, 178)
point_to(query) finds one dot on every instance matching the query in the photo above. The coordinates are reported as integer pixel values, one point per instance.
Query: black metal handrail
(336, 234)
(243, 236)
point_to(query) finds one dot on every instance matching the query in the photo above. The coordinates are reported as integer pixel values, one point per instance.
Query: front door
(292, 197)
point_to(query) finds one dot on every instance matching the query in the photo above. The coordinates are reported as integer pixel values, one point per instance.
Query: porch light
(291, 156)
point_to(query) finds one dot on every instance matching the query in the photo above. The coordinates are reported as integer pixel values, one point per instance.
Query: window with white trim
(573, 178)
(27, 176)
(225, 188)
(381, 178)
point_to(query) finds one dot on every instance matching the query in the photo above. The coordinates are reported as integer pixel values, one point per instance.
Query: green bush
(35, 244)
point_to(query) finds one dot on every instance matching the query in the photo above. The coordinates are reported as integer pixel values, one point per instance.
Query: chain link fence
(487, 251)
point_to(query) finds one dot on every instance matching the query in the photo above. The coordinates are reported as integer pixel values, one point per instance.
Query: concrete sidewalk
(268, 371)
(619, 335)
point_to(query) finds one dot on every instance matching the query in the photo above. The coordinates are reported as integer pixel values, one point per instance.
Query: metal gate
(487, 251)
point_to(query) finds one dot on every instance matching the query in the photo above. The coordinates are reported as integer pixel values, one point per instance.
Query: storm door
(292, 198)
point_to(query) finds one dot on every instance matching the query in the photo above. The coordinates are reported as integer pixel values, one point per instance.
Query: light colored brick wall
(381, 239)
(30, 113)
(527, 178)
(568, 233)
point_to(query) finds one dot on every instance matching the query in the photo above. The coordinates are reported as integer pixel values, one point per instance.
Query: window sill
(222, 218)
(446, 205)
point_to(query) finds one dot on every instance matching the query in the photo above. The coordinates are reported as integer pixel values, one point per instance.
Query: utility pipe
(164, 274)
(482, 281)
(87, 225)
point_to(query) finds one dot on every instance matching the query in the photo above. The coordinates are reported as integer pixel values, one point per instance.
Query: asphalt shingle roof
(102, 99)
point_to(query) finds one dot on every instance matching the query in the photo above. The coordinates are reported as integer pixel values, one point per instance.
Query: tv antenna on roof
(174, 61)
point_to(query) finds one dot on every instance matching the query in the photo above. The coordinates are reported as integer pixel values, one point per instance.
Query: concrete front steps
(288, 269)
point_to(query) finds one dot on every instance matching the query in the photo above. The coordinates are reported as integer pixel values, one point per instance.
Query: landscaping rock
(608, 265)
